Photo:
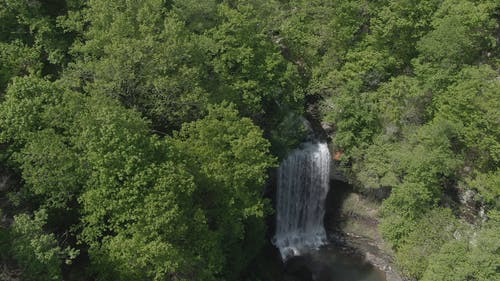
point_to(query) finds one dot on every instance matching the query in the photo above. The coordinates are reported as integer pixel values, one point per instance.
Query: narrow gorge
(303, 185)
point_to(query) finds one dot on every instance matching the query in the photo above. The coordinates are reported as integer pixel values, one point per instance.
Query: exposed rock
(335, 172)
(470, 205)
(373, 253)
(352, 225)
(467, 197)
(327, 128)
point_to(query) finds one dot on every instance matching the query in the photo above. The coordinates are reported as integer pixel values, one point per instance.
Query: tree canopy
(142, 133)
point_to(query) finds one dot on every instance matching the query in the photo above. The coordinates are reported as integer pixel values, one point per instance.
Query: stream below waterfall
(330, 264)
(303, 183)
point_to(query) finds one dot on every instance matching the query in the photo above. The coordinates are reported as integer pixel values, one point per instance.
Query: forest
(138, 137)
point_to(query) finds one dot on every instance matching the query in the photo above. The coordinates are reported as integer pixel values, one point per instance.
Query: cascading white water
(303, 182)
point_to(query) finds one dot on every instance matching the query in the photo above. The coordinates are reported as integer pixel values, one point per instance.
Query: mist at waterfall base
(303, 184)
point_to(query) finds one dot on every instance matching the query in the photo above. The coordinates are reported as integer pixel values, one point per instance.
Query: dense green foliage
(37, 252)
(144, 206)
(149, 207)
(143, 131)
(411, 89)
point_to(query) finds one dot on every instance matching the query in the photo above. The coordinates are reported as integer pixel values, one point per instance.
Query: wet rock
(327, 128)
(335, 172)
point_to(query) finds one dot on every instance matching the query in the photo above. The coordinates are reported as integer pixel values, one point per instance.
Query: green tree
(115, 146)
(400, 24)
(22, 114)
(36, 119)
(313, 30)
(377, 166)
(463, 34)
(434, 229)
(38, 253)
(488, 185)
(401, 103)
(471, 257)
(51, 169)
(31, 28)
(140, 53)
(229, 158)
(249, 68)
(462, 31)
(158, 231)
(450, 264)
(472, 103)
(354, 118)
(401, 211)
(198, 16)
(139, 217)
(429, 156)
(17, 59)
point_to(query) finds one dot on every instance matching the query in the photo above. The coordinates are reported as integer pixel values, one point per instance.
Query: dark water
(329, 264)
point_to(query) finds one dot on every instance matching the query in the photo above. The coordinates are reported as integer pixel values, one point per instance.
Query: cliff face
(466, 203)
(351, 218)
(352, 222)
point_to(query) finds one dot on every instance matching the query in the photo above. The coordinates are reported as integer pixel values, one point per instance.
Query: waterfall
(303, 182)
